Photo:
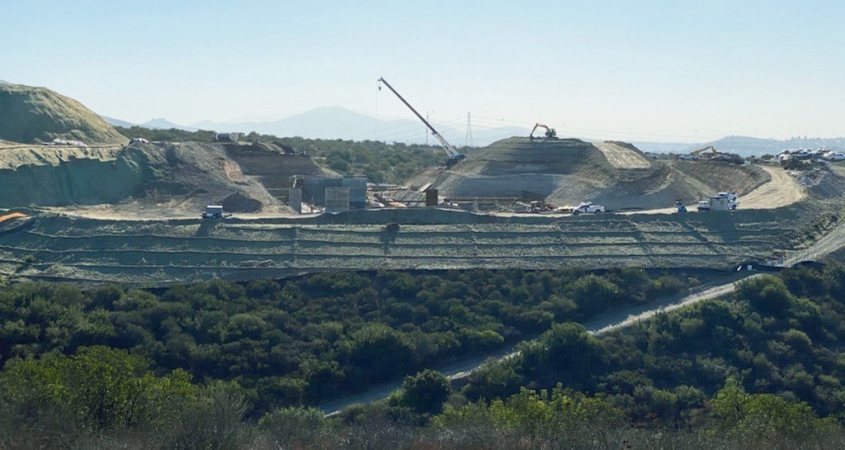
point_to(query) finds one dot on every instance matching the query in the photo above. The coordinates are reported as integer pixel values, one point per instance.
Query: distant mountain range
(155, 124)
(747, 146)
(342, 123)
(117, 122)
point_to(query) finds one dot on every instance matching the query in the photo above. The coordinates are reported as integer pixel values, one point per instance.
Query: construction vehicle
(454, 155)
(538, 207)
(550, 132)
(679, 203)
(700, 152)
(723, 201)
(587, 207)
(214, 212)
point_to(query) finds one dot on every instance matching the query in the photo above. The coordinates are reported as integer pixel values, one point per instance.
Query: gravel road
(604, 324)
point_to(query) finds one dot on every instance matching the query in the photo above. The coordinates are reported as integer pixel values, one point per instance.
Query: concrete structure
(337, 199)
(719, 203)
(432, 197)
(295, 199)
(314, 190)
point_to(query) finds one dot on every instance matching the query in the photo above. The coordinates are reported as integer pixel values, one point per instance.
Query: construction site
(155, 213)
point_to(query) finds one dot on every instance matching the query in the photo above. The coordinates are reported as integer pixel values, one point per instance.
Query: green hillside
(34, 114)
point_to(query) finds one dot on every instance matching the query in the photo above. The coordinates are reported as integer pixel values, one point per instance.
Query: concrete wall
(337, 199)
(314, 190)
(295, 199)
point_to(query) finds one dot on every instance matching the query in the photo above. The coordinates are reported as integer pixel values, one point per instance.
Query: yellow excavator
(713, 152)
(550, 132)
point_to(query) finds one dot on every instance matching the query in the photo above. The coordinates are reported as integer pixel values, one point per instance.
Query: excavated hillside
(568, 171)
(151, 179)
(35, 114)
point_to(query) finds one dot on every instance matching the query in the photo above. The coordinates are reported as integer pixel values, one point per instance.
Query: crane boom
(454, 155)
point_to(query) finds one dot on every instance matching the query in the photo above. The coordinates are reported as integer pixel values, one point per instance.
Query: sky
(663, 71)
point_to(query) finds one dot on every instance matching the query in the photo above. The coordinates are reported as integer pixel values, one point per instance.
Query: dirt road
(783, 190)
(603, 324)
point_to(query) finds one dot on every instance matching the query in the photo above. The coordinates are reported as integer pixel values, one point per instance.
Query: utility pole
(468, 138)
(426, 130)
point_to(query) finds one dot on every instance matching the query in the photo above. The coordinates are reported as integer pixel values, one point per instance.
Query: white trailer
(213, 212)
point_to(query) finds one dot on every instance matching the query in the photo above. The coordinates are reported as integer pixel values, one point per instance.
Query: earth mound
(155, 179)
(568, 171)
(35, 114)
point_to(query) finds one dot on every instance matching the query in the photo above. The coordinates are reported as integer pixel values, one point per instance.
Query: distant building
(228, 137)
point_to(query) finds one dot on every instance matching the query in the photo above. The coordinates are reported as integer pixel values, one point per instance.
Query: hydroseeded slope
(34, 114)
(568, 171)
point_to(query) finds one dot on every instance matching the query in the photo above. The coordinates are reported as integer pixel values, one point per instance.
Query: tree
(380, 351)
(426, 392)
(767, 294)
(571, 349)
(100, 387)
(765, 415)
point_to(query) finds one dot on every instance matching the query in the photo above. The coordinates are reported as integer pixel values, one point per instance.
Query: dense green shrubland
(762, 369)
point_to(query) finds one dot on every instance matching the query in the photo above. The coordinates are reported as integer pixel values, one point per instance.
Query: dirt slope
(154, 180)
(180, 250)
(34, 114)
(568, 171)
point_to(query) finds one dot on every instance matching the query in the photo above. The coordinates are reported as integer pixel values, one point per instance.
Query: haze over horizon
(660, 71)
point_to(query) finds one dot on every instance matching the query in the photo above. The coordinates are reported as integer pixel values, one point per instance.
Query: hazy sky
(632, 70)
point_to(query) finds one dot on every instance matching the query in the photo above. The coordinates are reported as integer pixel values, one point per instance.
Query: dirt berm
(152, 179)
(569, 171)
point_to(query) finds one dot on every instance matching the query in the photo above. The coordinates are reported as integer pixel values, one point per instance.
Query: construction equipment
(454, 155)
(713, 152)
(550, 132)
(214, 212)
(679, 203)
(723, 201)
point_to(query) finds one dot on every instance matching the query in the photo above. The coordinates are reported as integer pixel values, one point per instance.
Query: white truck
(587, 207)
(723, 201)
(213, 212)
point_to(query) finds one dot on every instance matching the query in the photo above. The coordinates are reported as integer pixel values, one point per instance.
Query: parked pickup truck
(587, 207)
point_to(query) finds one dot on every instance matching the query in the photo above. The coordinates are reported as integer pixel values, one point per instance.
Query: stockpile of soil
(32, 114)
(238, 202)
(163, 179)
(569, 171)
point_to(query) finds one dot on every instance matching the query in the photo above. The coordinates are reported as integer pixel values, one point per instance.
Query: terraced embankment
(569, 171)
(170, 251)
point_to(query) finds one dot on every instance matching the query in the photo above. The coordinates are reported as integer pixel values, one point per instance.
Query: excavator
(550, 132)
(713, 152)
(454, 155)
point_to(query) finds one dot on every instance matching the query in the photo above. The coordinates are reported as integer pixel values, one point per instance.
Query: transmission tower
(468, 138)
